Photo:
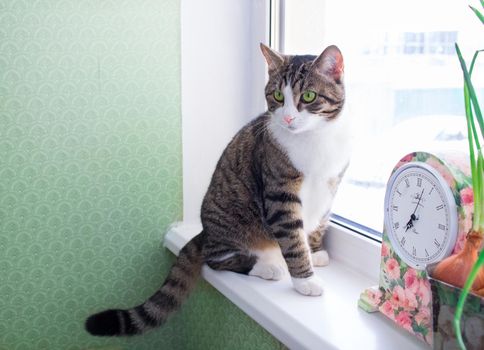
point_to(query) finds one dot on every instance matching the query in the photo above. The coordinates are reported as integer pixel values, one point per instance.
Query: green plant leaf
(477, 168)
(473, 142)
(472, 91)
(471, 136)
(471, 67)
(479, 193)
(478, 14)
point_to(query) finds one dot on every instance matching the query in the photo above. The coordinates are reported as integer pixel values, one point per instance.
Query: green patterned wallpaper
(90, 175)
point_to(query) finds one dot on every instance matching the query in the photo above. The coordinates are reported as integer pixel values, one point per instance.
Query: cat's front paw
(312, 285)
(320, 258)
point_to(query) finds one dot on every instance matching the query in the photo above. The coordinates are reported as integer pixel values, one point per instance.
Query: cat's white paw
(268, 270)
(320, 258)
(312, 286)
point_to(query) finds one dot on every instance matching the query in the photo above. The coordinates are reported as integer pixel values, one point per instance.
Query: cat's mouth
(291, 128)
(301, 129)
(294, 129)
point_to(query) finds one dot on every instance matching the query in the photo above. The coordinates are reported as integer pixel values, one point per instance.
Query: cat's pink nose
(288, 119)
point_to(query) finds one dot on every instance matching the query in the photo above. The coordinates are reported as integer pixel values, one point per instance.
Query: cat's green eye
(278, 96)
(308, 96)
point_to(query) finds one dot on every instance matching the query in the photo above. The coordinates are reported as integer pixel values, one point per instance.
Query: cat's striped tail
(154, 311)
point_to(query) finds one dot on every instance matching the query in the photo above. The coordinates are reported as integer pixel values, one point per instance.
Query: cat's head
(304, 93)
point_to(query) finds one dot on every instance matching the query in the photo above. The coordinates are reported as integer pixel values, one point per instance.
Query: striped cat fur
(266, 209)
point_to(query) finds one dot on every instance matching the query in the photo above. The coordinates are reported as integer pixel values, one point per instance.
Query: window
(403, 82)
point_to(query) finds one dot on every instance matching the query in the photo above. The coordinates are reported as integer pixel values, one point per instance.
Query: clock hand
(409, 225)
(416, 207)
(413, 217)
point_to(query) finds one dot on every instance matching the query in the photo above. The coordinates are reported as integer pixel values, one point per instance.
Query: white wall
(223, 74)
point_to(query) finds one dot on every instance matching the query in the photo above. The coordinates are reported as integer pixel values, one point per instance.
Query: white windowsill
(332, 321)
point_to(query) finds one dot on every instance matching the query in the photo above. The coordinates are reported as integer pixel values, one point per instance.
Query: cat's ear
(273, 58)
(330, 63)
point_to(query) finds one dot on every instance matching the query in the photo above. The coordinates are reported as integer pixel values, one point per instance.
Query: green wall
(90, 175)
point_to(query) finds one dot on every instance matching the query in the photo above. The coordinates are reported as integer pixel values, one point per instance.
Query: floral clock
(428, 213)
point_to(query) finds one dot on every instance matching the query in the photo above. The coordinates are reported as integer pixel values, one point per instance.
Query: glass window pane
(403, 83)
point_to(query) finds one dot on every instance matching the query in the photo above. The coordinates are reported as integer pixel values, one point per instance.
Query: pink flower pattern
(442, 169)
(467, 196)
(411, 302)
(406, 296)
(393, 268)
(423, 316)
(387, 309)
(403, 319)
(424, 292)
(398, 296)
(374, 296)
(385, 249)
(465, 224)
(411, 280)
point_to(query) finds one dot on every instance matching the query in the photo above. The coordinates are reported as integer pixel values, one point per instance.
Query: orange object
(455, 268)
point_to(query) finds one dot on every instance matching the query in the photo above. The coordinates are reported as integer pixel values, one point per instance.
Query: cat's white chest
(316, 199)
(322, 158)
(319, 186)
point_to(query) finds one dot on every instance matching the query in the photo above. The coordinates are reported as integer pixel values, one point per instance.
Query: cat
(269, 199)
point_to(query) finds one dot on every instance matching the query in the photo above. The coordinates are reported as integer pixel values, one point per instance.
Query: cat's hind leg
(264, 261)
(270, 264)
(319, 256)
(231, 259)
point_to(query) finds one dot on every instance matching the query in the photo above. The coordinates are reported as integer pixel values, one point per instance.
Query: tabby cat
(266, 209)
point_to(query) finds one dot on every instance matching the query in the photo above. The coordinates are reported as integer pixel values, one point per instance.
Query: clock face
(420, 215)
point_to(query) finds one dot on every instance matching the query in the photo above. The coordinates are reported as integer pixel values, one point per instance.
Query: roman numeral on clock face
(419, 182)
(439, 207)
(436, 243)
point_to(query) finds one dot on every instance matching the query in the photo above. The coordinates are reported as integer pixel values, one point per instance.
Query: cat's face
(304, 93)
